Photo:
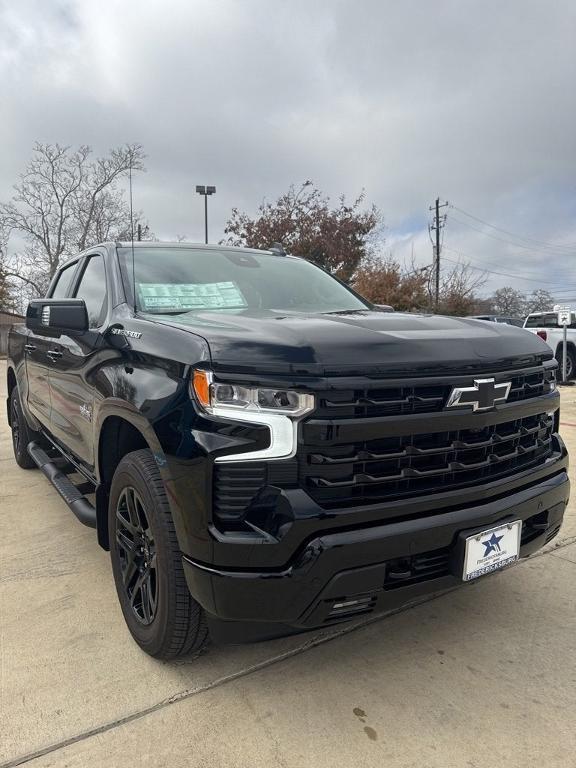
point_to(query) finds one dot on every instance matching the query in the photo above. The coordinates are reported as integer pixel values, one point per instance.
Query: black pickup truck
(263, 451)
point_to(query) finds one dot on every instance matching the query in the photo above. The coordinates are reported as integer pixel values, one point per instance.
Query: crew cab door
(38, 349)
(72, 368)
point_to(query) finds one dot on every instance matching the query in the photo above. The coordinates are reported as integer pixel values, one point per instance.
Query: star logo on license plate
(492, 544)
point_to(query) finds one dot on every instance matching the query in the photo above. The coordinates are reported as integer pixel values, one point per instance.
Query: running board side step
(80, 506)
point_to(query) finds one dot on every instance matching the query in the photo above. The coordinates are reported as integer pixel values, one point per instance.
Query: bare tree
(65, 201)
(6, 298)
(140, 231)
(458, 288)
(7, 301)
(540, 300)
(509, 301)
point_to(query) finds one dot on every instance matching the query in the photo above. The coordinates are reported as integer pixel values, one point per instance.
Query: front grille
(338, 472)
(378, 400)
(390, 468)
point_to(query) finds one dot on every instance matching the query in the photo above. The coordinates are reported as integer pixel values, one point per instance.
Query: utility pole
(436, 226)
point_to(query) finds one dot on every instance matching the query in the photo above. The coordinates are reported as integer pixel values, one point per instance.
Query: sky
(472, 102)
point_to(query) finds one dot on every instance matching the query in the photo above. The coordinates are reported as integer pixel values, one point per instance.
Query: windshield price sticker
(190, 296)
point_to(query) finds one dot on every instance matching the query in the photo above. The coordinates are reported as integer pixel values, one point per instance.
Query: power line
(488, 265)
(568, 248)
(490, 271)
(531, 248)
(495, 272)
(548, 283)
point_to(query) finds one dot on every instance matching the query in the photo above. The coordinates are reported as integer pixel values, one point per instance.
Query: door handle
(29, 347)
(54, 354)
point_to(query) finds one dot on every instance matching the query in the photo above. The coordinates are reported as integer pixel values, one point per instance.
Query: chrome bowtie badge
(483, 395)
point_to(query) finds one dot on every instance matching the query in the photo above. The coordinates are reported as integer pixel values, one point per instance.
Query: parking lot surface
(484, 675)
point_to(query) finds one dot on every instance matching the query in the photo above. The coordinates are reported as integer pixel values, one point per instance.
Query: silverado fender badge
(86, 411)
(482, 396)
(127, 334)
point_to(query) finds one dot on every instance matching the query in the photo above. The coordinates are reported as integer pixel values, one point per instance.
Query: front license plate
(492, 549)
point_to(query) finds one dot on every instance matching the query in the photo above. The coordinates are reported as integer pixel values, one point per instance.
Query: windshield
(178, 280)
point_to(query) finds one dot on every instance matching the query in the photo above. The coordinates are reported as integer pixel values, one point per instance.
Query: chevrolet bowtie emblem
(483, 395)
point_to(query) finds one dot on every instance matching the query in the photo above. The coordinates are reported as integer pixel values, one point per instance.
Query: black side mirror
(54, 316)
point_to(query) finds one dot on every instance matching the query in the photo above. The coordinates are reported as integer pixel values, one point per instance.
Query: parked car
(545, 325)
(517, 321)
(263, 451)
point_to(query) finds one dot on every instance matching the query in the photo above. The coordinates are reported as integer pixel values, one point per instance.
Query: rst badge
(483, 395)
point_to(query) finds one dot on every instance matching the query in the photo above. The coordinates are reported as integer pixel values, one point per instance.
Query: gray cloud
(472, 101)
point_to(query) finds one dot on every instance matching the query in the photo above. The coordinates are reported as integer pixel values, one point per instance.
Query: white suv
(545, 325)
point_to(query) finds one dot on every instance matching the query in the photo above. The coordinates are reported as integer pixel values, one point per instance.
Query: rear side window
(548, 320)
(63, 282)
(92, 288)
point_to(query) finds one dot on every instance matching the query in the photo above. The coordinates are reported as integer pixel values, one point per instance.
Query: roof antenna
(132, 238)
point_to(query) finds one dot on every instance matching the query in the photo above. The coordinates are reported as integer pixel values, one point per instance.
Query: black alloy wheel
(137, 554)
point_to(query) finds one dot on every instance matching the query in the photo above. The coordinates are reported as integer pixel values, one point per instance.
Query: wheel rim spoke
(147, 598)
(136, 592)
(127, 544)
(124, 516)
(131, 506)
(128, 574)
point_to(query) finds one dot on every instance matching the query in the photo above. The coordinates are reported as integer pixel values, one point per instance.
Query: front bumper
(380, 566)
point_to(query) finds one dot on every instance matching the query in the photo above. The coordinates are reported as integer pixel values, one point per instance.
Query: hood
(358, 342)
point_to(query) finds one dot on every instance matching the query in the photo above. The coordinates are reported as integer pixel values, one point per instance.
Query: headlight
(278, 409)
(215, 395)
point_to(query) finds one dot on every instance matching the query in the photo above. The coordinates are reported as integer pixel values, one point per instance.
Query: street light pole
(205, 191)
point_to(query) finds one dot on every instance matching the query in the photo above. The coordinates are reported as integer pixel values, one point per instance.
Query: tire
(161, 615)
(21, 433)
(570, 363)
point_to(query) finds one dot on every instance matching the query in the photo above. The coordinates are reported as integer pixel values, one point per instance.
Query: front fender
(156, 402)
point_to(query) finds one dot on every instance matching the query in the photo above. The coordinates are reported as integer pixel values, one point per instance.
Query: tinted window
(169, 280)
(92, 289)
(546, 320)
(63, 283)
(515, 321)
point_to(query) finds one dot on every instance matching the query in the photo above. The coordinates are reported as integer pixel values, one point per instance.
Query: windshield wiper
(344, 311)
(169, 312)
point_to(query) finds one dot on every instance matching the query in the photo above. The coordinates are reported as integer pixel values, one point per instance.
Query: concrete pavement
(482, 676)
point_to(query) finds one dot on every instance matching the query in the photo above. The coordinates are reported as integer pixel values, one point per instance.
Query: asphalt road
(482, 676)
